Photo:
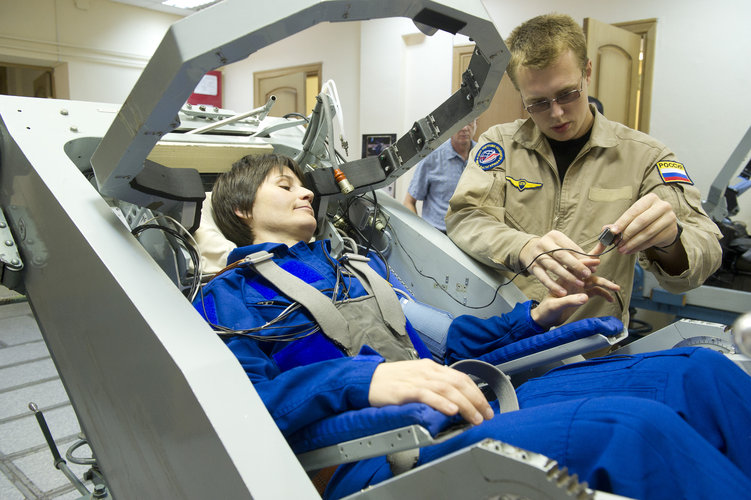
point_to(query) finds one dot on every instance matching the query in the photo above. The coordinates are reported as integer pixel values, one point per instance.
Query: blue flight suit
(661, 425)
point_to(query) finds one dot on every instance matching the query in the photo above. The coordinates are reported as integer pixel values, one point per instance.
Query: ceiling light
(180, 7)
(187, 4)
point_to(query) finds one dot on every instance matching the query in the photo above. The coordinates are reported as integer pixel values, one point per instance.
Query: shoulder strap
(318, 305)
(384, 294)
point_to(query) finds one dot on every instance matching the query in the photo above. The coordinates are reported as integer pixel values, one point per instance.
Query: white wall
(700, 103)
(366, 61)
(99, 46)
(388, 75)
(335, 45)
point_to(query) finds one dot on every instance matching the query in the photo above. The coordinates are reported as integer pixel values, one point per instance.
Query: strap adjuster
(354, 256)
(257, 257)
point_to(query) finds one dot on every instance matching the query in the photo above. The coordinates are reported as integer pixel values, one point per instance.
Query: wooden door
(289, 85)
(615, 70)
(43, 85)
(506, 105)
(26, 81)
(289, 91)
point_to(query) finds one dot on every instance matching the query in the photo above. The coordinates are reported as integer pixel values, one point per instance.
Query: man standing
(557, 179)
(436, 176)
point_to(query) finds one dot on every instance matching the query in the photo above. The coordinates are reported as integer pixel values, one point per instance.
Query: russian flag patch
(672, 171)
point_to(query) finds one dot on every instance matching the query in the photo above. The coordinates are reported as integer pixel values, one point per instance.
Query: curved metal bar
(182, 59)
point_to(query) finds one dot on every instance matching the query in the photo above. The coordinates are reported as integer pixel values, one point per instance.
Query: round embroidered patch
(490, 156)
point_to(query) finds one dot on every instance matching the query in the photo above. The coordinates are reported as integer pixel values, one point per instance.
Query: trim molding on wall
(49, 51)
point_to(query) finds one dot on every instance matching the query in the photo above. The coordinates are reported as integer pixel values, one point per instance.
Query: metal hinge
(10, 260)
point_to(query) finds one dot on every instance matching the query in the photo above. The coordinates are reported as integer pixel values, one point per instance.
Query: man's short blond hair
(540, 41)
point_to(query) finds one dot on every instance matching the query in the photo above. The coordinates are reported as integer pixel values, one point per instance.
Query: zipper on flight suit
(557, 201)
(583, 151)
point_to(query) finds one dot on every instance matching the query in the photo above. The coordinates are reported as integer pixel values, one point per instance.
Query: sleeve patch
(489, 156)
(672, 171)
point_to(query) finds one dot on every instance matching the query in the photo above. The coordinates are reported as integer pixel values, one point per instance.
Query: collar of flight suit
(603, 134)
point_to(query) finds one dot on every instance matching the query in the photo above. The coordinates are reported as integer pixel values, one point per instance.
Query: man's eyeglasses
(570, 96)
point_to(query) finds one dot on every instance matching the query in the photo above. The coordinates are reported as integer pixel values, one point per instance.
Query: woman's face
(282, 210)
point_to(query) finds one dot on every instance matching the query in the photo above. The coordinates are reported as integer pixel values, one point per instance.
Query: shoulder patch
(522, 184)
(672, 171)
(489, 156)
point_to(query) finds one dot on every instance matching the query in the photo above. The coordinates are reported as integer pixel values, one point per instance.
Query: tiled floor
(27, 374)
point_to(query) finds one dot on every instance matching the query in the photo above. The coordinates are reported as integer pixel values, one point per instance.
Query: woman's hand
(425, 381)
(553, 311)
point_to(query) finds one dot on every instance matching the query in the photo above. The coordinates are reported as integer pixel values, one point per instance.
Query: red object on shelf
(208, 91)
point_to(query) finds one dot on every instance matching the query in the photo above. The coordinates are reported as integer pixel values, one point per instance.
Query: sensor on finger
(608, 238)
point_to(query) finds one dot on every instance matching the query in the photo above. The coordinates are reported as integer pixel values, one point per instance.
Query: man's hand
(650, 225)
(553, 311)
(649, 222)
(425, 381)
(571, 269)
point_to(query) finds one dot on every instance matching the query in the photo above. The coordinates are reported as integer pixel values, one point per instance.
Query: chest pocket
(604, 206)
(611, 194)
(520, 195)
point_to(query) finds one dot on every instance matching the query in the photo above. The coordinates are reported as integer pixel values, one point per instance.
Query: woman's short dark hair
(235, 190)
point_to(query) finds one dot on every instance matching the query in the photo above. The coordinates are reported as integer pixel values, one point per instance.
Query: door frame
(647, 30)
(48, 71)
(506, 95)
(308, 69)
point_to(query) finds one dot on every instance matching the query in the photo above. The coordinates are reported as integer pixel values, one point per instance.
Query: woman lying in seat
(672, 424)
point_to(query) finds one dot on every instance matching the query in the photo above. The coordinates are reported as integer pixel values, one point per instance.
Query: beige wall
(700, 107)
(388, 75)
(334, 45)
(97, 47)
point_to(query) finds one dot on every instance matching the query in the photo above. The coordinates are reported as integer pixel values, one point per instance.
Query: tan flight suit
(495, 212)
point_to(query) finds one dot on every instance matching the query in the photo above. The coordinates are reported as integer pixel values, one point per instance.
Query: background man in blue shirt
(437, 175)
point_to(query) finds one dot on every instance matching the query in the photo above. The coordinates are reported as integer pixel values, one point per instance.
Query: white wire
(330, 133)
(404, 294)
(330, 88)
(351, 243)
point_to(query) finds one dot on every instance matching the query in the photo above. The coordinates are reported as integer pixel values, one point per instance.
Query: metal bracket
(424, 131)
(489, 469)
(10, 260)
(382, 443)
(470, 84)
(715, 204)
(390, 159)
